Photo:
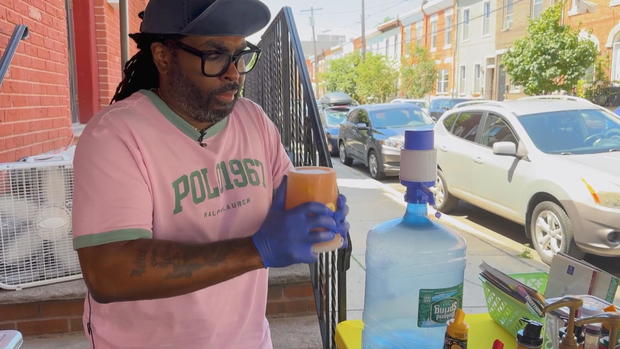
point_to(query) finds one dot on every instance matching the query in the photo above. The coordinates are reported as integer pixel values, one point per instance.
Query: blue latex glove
(286, 237)
(340, 216)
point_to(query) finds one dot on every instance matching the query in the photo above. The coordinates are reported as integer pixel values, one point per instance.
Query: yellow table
(483, 331)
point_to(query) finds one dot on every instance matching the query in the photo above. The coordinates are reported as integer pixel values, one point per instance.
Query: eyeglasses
(216, 62)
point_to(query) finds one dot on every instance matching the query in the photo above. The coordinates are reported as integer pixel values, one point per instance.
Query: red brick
(76, 324)
(18, 311)
(62, 308)
(8, 326)
(298, 290)
(274, 292)
(43, 326)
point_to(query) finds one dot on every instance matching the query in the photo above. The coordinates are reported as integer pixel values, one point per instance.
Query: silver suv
(550, 163)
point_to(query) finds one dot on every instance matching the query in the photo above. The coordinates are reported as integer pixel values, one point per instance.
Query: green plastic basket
(507, 311)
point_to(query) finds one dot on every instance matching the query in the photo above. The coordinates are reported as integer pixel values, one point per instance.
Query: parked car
(332, 117)
(440, 105)
(333, 99)
(421, 103)
(551, 164)
(374, 134)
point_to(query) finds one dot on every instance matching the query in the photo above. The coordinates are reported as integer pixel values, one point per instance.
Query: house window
(615, 64)
(463, 79)
(408, 34)
(419, 34)
(448, 28)
(443, 81)
(486, 19)
(477, 78)
(508, 13)
(536, 8)
(434, 34)
(466, 24)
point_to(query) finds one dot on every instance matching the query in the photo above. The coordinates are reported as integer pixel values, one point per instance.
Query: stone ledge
(76, 289)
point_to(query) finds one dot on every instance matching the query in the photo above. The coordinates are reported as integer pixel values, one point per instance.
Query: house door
(489, 87)
(501, 84)
(71, 54)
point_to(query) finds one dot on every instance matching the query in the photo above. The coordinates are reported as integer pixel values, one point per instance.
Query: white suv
(550, 163)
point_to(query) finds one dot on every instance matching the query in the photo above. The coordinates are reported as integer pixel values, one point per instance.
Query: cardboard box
(571, 276)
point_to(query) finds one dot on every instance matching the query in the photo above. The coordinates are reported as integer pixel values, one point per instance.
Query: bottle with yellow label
(456, 333)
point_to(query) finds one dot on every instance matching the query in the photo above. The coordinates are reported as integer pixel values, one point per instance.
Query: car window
(466, 126)
(496, 130)
(363, 117)
(354, 117)
(449, 121)
(398, 118)
(334, 118)
(585, 131)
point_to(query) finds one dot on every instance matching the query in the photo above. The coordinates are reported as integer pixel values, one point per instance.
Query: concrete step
(291, 332)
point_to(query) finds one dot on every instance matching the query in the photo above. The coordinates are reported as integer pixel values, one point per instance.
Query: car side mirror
(361, 126)
(505, 148)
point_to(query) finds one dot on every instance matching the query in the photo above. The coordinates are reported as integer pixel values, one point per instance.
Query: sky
(338, 17)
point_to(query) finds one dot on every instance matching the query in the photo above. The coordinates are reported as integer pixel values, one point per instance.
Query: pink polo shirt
(140, 173)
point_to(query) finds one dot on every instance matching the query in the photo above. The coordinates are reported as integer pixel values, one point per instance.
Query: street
(491, 225)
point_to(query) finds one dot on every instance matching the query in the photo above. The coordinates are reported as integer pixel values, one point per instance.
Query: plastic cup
(314, 184)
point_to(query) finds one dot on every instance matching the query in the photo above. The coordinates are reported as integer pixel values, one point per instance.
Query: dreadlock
(140, 71)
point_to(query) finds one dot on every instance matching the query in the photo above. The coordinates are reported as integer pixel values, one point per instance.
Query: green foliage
(376, 79)
(341, 75)
(551, 57)
(598, 90)
(527, 252)
(418, 73)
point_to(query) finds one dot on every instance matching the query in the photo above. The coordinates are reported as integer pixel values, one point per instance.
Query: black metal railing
(281, 85)
(19, 33)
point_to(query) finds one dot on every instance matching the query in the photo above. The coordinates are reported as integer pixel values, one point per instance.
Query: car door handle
(443, 148)
(478, 160)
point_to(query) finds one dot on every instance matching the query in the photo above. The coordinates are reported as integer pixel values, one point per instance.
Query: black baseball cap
(205, 17)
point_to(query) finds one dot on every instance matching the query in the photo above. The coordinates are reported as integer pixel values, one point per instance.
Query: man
(174, 220)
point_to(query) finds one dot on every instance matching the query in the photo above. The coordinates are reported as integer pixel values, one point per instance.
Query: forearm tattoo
(182, 260)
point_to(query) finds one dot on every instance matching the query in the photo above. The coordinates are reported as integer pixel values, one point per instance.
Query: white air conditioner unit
(35, 221)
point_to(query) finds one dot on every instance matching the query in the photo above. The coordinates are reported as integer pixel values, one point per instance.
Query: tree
(376, 79)
(418, 73)
(341, 75)
(551, 57)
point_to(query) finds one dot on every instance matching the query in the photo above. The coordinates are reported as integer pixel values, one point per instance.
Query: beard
(200, 106)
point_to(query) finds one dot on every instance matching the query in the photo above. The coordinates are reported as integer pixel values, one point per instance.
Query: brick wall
(61, 316)
(34, 97)
(108, 44)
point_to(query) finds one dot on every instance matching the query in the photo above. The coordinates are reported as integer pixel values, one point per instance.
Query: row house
(440, 40)
(386, 40)
(475, 63)
(599, 21)
(512, 20)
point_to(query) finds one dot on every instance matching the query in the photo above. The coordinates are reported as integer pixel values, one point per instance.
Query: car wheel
(444, 201)
(552, 232)
(375, 166)
(343, 155)
(333, 151)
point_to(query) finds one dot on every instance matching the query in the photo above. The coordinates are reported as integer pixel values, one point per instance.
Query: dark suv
(374, 135)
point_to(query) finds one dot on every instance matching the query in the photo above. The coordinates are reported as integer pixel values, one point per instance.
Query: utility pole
(363, 30)
(316, 57)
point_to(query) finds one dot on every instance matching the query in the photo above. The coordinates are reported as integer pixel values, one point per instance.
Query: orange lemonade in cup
(318, 184)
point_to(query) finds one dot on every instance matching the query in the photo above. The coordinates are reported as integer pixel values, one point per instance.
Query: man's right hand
(286, 237)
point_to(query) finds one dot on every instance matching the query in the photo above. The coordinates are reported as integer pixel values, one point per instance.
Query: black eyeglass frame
(232, 58)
